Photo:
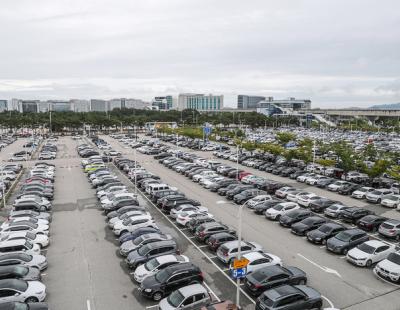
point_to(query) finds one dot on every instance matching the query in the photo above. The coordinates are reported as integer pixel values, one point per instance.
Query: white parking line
(328, 301)
(88, 304)
(196, 246)
(203, 246)
(212, 292)
(150, 307)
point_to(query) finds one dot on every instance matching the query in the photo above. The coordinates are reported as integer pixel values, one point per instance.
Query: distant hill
(390, 106)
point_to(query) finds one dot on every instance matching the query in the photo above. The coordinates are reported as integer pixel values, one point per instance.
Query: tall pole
(51, 130)
(314, 152)
(240, 212)
(3, 185)
(134, 152)
(237, 162)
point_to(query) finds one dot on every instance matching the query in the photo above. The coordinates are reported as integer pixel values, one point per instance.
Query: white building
(200, 102)
(79, 105)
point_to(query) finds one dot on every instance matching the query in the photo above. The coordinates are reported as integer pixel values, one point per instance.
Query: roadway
(344, 285)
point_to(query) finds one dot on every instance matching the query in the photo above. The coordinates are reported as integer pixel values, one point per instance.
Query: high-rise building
(97, 105)
(162, 103)
(60, 106)
(115, 104)
(248, 102)
(290, 103)
(136, 104)
(78, 105)
(3, 105)
(31, 106)
(200, 102)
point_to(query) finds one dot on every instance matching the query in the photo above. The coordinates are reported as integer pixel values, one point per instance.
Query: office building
(28, 106)
(79, 105)
(200, 102)
(248, 102)
(3, 105)
(136, 104)
(97, 105)
(59, 106)
(162, 103)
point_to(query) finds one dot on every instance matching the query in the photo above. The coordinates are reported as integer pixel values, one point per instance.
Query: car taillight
(257, 285)
(201, 275)
(392, 231)
(225, 253)
(201, 234)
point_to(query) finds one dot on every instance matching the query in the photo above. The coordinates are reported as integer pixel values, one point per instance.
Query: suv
(169, 279)
(204, 231)
(229, 250)
(194, 223)
(149, 251)
(188, 297)
(390, 229)
(352, 215)
(346, 240)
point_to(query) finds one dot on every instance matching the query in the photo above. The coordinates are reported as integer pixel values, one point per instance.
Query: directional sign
(240, 263)
(239, 273)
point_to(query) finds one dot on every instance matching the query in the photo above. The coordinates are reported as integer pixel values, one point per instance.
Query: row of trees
(128, 117)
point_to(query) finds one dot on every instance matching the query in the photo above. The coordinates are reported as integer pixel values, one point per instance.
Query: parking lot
(345, 286)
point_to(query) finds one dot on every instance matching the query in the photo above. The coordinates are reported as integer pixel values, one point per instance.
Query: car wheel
(323, 242)
(123, 232)
(157, 296)
(368, 263)
(379, 200)
(345, 251)
(31, 299)
(318, 305)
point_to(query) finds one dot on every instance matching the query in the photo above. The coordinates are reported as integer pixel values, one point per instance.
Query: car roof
(281, 291)
(15, 242)
(376, 243)
(193, 289)
(10, 283)
(392, 221)
(254, 255)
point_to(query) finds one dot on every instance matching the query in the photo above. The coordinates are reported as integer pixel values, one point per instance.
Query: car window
(177, 277)
(279, 277)
(165, 249)
(199, 297)
(6, 293)
(246, 248)
(382, 248)
(188, 301)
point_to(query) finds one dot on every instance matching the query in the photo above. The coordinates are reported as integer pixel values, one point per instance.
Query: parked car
(352, 215)
(229, 250)
(287, 297)
(310, 223)
(215, 240)
(169, 279)
(294, 216)
(377, 195)
(389, 268)
(280, 209)
(370, 222)
(369, 252)
(346, 240)
(192, 296)
(23, 291)
(390, 229)
(273, 276)
(324, 232)
(258, 260)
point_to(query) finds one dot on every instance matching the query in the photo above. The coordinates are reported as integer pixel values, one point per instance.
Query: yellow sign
(240, 263)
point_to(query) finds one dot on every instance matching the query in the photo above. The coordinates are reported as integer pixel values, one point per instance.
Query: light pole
(134, 154)
(51, 130)
(3, 185)
(240, 212)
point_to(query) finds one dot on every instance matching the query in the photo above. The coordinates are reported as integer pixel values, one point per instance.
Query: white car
(305, 200)
(259, 260)
(334, 210)
(208, 182)
(280, 209)
(41, 240)
(31, 219)
(37, 261)
(389, 268)
(284, 191)
(15, 290)
(314, 179)
(30, 213)
(174, 213)
(257, 200)
(8, 228)
(198, 177)
(185, 217)
(19, 245)
(377, 195)
(156, 264)
(334, 187)
(294, 196)
(362, 192)
(391, 201)
(128, 215)
(108, 200)
(132, 224)
(370, 252)
(303, 178)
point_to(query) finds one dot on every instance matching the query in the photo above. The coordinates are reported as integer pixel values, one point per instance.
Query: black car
(371, 222)
(294, 216)
(262, 207)
(14, 305)
(237, 189)
(273, 276)
(119, 204)
(352, 215)
(310, 223)
(196, 222)
(294, 175)
(215, 240)
(346, 240)
(321, 204)
(223, 183)
(132, 235)
(170, 279)
(223, 190)
(205, 230)
(287, 297)
(149, 251)
(348, 188)
(324, 232)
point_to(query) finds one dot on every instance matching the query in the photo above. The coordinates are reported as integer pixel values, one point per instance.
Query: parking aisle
(352, 286)
(84, 273)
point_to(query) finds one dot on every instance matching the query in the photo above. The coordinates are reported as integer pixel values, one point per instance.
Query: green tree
(285, 137)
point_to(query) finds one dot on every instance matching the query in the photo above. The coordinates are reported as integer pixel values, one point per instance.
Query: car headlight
(148, 290)
(318, 239)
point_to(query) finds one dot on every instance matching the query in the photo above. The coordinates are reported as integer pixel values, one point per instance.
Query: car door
(355, 240)
(175, 282)
(276, 280)
(381, 253)
(8, 295)
(256, 264)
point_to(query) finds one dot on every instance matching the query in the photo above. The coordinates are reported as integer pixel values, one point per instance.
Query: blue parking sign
(238, 273)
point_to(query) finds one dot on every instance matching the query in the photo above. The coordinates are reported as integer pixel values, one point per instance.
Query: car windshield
(362, 189)
(28, 245)
(176, 298)
(20, 270)
(392, 197)
(278, 207)
(138, 240)
(343, 236)
(308, 221)
(394, 258)
(151, 264)
(376, 193)
(162, 276)
(325, 229)
(366, 248)
(143, 250)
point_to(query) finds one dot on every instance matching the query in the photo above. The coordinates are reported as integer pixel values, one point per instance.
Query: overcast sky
(338, 53)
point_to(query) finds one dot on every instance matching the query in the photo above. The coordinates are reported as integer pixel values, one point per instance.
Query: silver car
(229, 250)
(390, 229)
(192, 296)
